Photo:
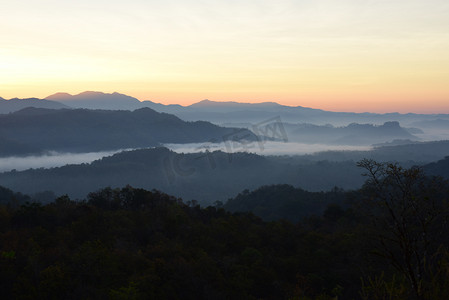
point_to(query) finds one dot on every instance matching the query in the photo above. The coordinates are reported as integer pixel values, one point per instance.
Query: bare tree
(409, 212)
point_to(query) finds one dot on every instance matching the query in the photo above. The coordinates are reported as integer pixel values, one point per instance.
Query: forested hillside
(204, 176)
(34, 130)
(135, 244)
(216, 176)
(283, 201)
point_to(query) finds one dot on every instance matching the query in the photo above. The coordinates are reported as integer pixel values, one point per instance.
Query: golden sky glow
(347, 55)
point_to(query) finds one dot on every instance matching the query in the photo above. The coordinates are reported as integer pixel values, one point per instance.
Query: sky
(347, 55)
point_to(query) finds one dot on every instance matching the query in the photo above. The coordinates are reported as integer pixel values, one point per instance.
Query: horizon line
(433, 112)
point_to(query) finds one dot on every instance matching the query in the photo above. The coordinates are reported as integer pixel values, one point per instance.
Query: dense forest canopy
(132, 243)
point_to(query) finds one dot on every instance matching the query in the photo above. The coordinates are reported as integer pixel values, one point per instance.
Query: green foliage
(8, 254)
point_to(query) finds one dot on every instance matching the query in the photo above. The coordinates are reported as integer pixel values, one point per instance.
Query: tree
(409, 212)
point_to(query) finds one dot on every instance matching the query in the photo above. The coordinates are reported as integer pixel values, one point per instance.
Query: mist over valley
(86, 133)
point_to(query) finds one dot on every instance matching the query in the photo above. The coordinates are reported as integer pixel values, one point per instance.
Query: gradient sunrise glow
(347, 55)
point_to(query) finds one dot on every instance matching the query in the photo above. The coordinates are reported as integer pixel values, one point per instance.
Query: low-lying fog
(55, 159)
(52, 159)
(264, 148)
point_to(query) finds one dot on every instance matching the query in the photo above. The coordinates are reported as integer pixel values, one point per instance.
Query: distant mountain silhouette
(15, 104)
(231, 113)
(235, 114)
(169, 108)
(59, 97)
(417, 152)
(209, 105)
(82, 130)
(114, 101)
(433, 124)
(353, 134)
(97, 100)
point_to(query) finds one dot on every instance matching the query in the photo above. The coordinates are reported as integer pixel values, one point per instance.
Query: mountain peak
(98, 100)
(59, 96)
(101, 95)
(91, 93)
(88, 95)
(207, 102)
(392, 124)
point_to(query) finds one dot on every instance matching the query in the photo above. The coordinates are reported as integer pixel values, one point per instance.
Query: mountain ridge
(220, 112)
(16, 104)
(212, 103)
(209, 176)
(232, 113)
(84, 130)
(97, 100)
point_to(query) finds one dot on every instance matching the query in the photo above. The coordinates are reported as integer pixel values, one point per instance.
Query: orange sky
(349, 55)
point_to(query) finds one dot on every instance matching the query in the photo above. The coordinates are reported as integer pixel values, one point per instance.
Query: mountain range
(353, 134)
(38, 130)
(217, 112)
(235, 112)
(97, 100)
(299, 124)
(16, 104)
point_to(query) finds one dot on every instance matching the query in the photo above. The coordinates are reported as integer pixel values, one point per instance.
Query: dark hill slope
(82, 130)
(205, 177)
(284, 202)
(439, 168)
